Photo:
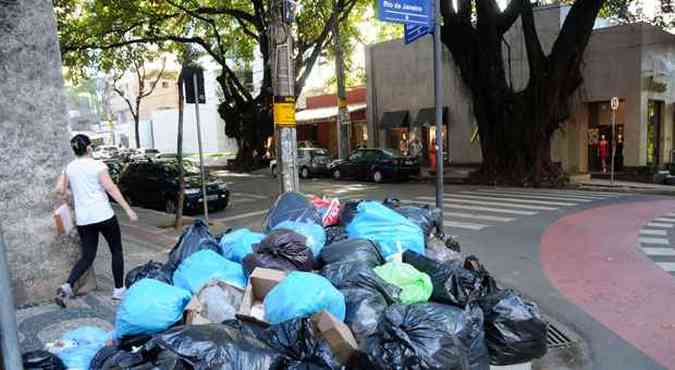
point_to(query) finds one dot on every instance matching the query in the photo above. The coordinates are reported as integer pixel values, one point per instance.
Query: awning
(427, 117)
(324, 114)
(397, 119)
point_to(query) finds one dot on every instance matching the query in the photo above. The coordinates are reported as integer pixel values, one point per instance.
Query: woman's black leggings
(110, 230)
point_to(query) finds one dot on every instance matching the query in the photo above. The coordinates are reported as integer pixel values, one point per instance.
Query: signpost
(615, 106)
(415, 31)
(422, 17)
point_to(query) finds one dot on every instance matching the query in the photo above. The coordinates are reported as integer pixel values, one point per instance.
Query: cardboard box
(336, 333)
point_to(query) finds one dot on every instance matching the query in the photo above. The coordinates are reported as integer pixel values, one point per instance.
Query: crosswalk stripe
(668, 266)
(659, 251)
(656, 224)
(672, 214)
(463, 225)
(474, 208)
(659, 241)
(665, 219)
(243, 215)
(249, 195)
(586, 194)
(242, 201)
(538, 193)
(525, 196)
(510, 200)
(498, 204)
(478, 216)
(653, 232)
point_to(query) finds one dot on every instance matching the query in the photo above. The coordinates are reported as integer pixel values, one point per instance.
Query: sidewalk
(625, 186)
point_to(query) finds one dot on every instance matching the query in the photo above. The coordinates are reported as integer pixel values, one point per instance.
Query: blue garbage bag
(204, 266)
(303, 294)
(315, 234)
(239, 244)
(392, 231)
(150, 307)
(88, 341)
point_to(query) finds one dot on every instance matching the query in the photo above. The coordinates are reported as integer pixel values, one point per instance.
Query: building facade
(633, 62)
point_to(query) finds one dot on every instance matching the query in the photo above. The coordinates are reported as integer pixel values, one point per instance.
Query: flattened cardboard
(337, 334)
(260, 283)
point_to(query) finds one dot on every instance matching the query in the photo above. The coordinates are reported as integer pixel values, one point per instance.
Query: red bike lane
(593, 259)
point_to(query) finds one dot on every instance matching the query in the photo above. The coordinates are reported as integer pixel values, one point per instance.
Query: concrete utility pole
(343, 119)
(438, 93)
(283, 82)
(9, 339)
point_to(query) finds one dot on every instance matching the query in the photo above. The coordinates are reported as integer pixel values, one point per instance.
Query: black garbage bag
(360, 251)
(467, 324)
(453, 284)
(335, 234)
(349, 210)
(514, 329)
(301, 347)
(428, 218)
(416, 337)
(151, 270)
(41, 360)
(281, 250)
(217, 346)
(195, 238)
(366, 296)
(292, 207)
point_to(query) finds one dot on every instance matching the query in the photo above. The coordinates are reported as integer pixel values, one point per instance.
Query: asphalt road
(504, 228)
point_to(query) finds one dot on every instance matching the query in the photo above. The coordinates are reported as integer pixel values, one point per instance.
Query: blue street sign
(406, 11)
(414, 32)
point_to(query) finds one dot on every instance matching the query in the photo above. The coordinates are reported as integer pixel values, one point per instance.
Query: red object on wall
(354, 96)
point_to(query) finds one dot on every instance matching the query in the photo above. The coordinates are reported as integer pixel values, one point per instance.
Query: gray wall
(34, 149)
(400, 77)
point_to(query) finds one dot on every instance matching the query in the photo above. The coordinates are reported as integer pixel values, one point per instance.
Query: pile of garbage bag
(373, 285)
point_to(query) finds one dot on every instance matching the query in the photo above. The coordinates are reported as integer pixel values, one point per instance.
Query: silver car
(311, 162)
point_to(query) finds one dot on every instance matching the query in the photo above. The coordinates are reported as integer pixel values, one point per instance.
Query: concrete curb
(625, 189)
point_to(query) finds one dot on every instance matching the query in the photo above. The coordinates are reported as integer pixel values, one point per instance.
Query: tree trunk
(179, 155)
(137, 121)
(35, 143)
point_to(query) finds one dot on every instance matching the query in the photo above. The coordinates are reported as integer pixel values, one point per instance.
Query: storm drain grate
(556, 337)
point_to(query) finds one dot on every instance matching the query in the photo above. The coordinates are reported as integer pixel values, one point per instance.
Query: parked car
(115, 168)
(104, 152)
(154, 184)
(311, 162)
(145, 153)
(376, 165)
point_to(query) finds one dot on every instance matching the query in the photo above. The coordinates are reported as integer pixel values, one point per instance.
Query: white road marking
(242, 201)
(249, 195)
(668, 266)
(463, 225)
(664, 219)
(557, 193)
(498, 204)
(672, 214)
(540, 194)
(478, 216)
(243, 215)
(510, 200)
(658, 241)
(659, 251)
(528, 196)
(473, 208)
(653, 232)
(656, 224)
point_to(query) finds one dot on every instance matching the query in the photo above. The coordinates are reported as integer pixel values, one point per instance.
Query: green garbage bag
(415, 286)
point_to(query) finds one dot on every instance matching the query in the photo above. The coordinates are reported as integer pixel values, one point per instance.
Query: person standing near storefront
(403, 145)
(415, 147)
(603, 151)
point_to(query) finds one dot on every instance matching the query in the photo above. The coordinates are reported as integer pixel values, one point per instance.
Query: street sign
(284, 111)
(615, 103)
(406, 11)
(188, 79)
(416, 31)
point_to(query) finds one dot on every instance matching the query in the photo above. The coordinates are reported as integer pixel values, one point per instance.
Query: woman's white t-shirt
(91, 200)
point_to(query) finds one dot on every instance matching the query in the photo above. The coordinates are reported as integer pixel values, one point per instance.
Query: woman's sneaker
(63, 294)
(118, 294)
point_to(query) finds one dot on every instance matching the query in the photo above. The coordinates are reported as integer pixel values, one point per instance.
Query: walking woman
(89, 182)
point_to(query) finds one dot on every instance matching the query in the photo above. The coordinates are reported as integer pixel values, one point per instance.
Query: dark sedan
(376, 165)
(154, 184)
